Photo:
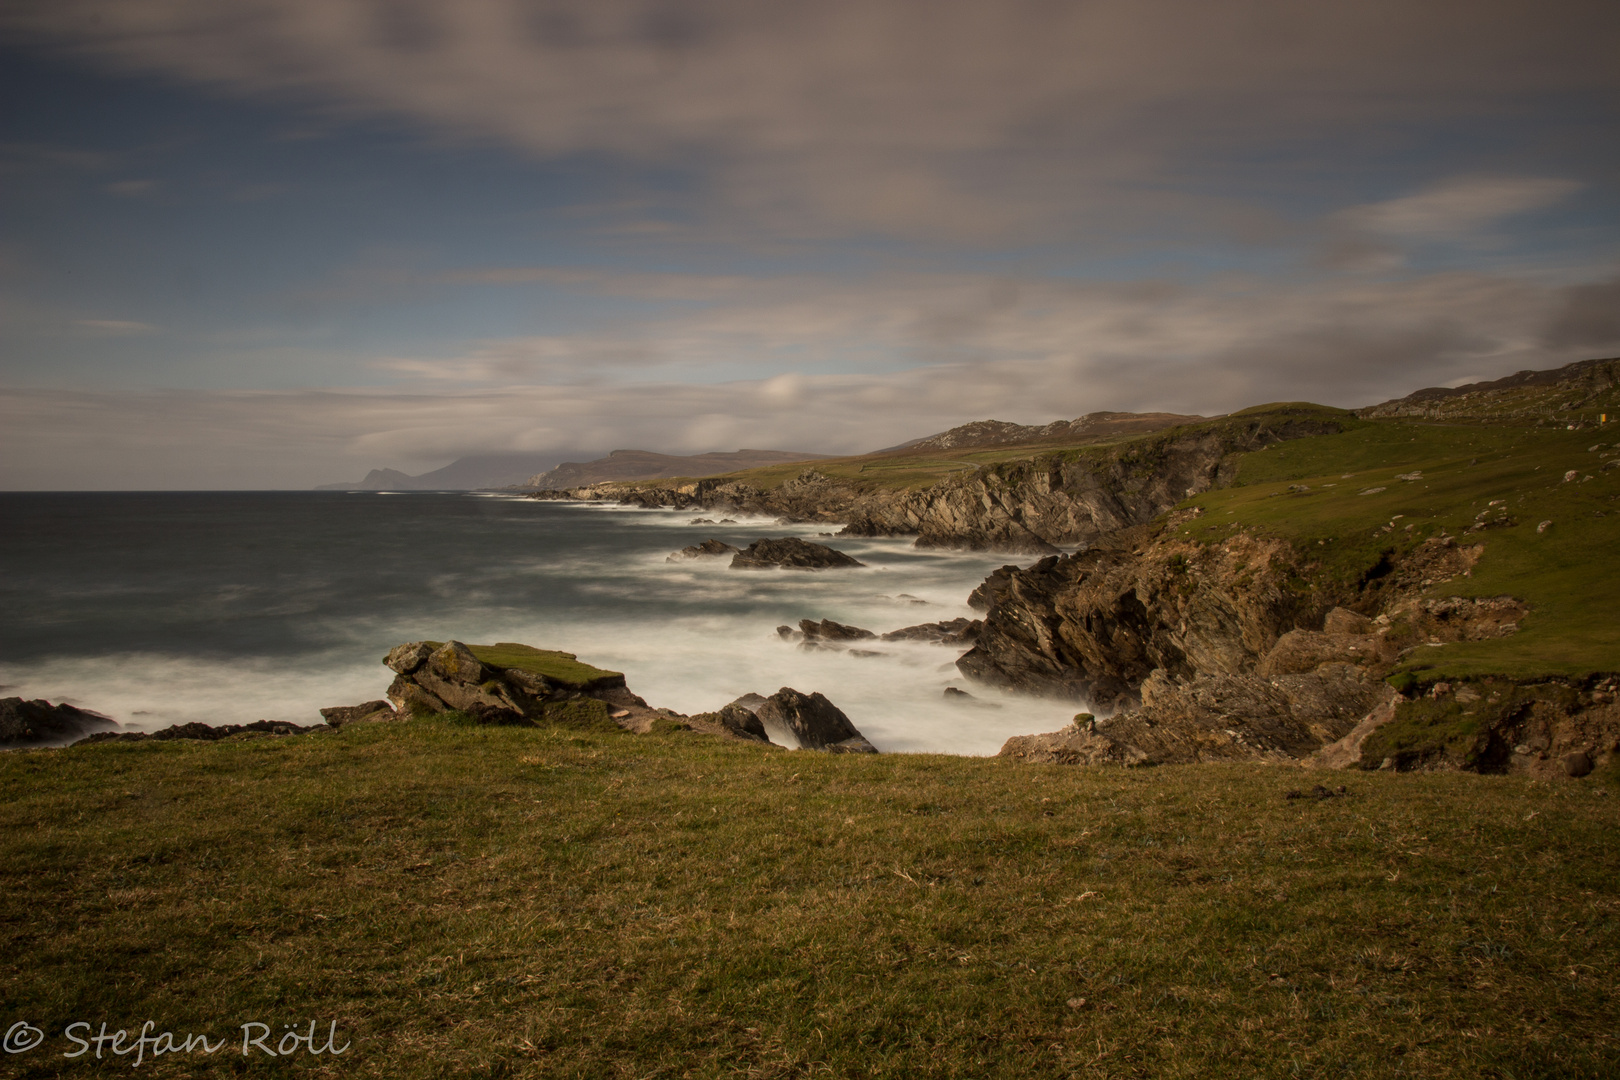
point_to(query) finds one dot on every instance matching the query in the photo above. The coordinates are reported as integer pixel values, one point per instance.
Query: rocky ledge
(505, 683)
(199, 732)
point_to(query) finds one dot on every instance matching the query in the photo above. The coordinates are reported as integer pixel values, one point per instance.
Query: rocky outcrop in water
(709, 549)
(39, 723)
(791, 553)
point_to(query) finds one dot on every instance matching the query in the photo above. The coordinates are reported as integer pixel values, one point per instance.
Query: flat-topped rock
(370, 712)
(504, 683)
(199, 732)
(791, 553)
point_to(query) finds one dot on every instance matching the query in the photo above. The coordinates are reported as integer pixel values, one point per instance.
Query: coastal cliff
(1401, 594)
(1026, 503)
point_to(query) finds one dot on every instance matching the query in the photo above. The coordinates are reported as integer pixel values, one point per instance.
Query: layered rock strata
(1025, 506)
(1218, 652)
(514, 689)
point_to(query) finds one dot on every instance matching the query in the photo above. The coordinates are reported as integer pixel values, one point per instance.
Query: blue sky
(281, 242)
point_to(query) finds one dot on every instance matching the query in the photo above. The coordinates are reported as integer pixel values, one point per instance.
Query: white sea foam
(690, 635)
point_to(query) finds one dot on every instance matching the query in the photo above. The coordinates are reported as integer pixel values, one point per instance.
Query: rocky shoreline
(1235, 646)
(1025, 506)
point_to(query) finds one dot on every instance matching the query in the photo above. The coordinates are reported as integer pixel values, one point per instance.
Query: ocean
(157, 608)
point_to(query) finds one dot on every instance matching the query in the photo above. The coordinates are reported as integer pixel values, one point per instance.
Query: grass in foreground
(470, 901)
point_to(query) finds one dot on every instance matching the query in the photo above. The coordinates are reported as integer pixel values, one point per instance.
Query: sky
(279, 243)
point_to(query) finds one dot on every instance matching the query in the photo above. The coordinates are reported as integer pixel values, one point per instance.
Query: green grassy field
(1355, 510)
(577, 902)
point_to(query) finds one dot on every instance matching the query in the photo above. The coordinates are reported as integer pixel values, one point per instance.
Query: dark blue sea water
(159, 608)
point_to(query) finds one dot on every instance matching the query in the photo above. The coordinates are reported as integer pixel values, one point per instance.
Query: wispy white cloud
(114, 327)
(1459, 209)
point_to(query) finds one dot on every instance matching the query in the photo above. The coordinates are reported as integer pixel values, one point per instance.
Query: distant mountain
(646, 465)
(1097, 425)
(474, 473)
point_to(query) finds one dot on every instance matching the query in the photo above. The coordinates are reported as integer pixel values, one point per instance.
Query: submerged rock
(709, 549)
(791, 553)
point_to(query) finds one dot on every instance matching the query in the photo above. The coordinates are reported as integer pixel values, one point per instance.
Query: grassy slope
(908, 470)
(1565, 574)
(504, 901)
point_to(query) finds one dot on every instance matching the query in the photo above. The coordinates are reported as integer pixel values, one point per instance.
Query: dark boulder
(959, 697)
(827, 630)
(815, 722)
(39, 723)
(709, 549)
(790, 553)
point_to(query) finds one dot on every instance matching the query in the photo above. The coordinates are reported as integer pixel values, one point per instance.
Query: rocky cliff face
(1232, 651)
(1025, 506)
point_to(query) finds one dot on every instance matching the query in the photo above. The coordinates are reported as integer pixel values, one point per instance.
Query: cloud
(931, 118)
(1460, 208)
(114, 327)
(1027, 350)
(1588, 318)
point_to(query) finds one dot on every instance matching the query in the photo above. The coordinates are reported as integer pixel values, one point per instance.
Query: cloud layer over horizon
(323, 237)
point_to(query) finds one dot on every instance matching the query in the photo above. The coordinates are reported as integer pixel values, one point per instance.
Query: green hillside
(1342, 498)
